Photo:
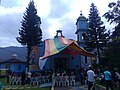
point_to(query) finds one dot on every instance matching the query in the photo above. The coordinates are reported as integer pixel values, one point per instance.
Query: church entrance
(60, 64)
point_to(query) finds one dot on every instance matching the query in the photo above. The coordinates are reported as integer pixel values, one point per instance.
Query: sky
(54, 14)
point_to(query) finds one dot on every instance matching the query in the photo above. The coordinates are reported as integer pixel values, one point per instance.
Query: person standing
(51, 81)
(8, 77)
(91, 78)
(29, 77)
(108, 79)
(23, 76)
(118, 79)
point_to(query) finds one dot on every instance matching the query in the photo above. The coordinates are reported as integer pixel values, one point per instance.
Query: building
(82, 28)
(61, 53)
(58, 53)
(13, 64)
(55, 54)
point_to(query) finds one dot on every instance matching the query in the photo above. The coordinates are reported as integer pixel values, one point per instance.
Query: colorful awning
(56, 45)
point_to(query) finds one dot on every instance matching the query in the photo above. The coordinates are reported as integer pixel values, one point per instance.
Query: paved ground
(79, 87)
(76, 87)
(70, 88)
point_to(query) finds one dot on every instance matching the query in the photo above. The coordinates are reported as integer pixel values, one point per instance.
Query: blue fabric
(107, 75)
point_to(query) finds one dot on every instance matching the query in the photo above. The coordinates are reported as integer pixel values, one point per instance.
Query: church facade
(55, 54)
(68, 58)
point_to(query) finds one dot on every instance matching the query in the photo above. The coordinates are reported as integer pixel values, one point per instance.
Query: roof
(56, 45)
(13, 61)
(81, 17)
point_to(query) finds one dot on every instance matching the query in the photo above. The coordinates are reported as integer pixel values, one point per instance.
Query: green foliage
(30, 32)
(116, 33)
(96, 35)
(113, 15)
(3, 81)
(113, 50)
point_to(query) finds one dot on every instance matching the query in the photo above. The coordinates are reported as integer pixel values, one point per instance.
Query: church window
(7, 66)
(19, 67)
(83, 35)
(85, 59)
(78, 37)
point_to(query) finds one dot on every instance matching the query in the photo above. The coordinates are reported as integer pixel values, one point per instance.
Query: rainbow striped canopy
(58, 44)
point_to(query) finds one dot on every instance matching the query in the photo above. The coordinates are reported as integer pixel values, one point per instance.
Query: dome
(14, 56)
(81, 17)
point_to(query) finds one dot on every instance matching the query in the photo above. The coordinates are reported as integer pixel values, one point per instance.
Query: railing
(64, 81)
(58, 81)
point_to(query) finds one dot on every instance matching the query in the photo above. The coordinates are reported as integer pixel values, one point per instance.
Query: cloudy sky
(55, 14)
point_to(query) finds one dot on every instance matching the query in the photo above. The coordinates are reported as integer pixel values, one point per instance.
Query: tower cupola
(59, 32)
(14, 56)
(82, 27)
(81, 17)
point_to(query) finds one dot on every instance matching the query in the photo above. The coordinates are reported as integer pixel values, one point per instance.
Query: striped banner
(56, 45)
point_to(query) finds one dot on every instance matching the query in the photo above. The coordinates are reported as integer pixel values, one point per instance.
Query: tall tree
(113, 16)
(96, 35)
(30, 32)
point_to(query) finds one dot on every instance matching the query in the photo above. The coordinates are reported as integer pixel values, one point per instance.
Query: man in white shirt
(91, 77)
(28, 77)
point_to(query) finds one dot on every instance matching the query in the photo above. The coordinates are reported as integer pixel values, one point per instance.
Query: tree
(113, 16)
(30, 32)
(96, 36)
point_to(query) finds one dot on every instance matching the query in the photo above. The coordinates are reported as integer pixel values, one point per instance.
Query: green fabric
(58, 45)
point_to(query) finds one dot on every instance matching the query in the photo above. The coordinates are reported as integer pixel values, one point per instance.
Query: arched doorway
(60, 64)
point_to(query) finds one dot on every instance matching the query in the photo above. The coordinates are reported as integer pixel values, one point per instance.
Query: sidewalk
(70, 88)
(76, 87)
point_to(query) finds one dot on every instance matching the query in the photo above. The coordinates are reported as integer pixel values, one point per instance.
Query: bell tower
(82, 27)
(59, 32)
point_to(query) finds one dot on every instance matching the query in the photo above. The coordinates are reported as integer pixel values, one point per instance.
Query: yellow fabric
(53, 49)
(65, 41)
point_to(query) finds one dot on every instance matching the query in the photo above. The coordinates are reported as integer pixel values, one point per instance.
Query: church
(61, 53)
(55, 54)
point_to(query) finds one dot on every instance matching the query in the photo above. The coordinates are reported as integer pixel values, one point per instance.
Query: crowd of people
(108, 77)
(25, 78)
